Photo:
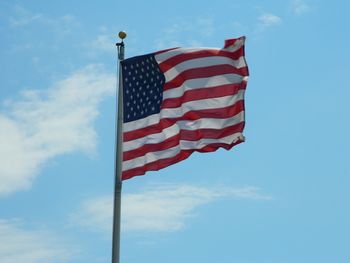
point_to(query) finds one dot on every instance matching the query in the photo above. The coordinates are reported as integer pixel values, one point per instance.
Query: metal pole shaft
(118, 164)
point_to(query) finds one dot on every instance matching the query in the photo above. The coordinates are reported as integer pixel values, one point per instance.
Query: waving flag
(181, 100)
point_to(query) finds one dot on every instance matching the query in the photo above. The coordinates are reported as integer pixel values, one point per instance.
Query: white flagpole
(118, 158)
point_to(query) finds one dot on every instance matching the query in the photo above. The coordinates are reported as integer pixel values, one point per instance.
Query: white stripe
(211, 123)
(213, 103)
(141, 123)
(150, 157)
(201, 63)
(207, 123)
(171, 152)
(152, 138)
(205, 104)
(179, 51)
(200, 83)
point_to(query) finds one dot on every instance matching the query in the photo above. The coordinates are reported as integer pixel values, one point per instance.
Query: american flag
(181, 100)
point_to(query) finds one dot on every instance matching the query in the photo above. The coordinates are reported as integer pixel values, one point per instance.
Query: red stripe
(232, 41)
(183, 135)
(211, 133)
(173, 61)
(155, 166)
(219, 113)
(141, 151)
(204, 72)
(184, 154)
(203, 93)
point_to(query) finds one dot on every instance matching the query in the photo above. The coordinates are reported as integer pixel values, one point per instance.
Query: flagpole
(118, 158)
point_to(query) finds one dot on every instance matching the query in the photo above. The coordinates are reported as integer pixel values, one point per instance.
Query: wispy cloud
(30, 246)
(22, 17)
(198, 28)
(104, 42)
(44, 124)
(160, 209)
(268, 20)
(299, 7)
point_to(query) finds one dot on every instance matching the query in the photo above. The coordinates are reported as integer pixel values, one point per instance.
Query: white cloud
(299, 7)
(30, 246)
(45, 124)
(159, 209)
(268, 20)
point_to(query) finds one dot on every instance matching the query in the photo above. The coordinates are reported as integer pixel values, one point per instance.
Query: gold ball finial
(122, 35)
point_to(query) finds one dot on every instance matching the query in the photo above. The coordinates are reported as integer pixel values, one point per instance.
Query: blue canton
(143, 84)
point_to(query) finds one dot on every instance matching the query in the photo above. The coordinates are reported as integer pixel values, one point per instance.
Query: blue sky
(280, 197)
